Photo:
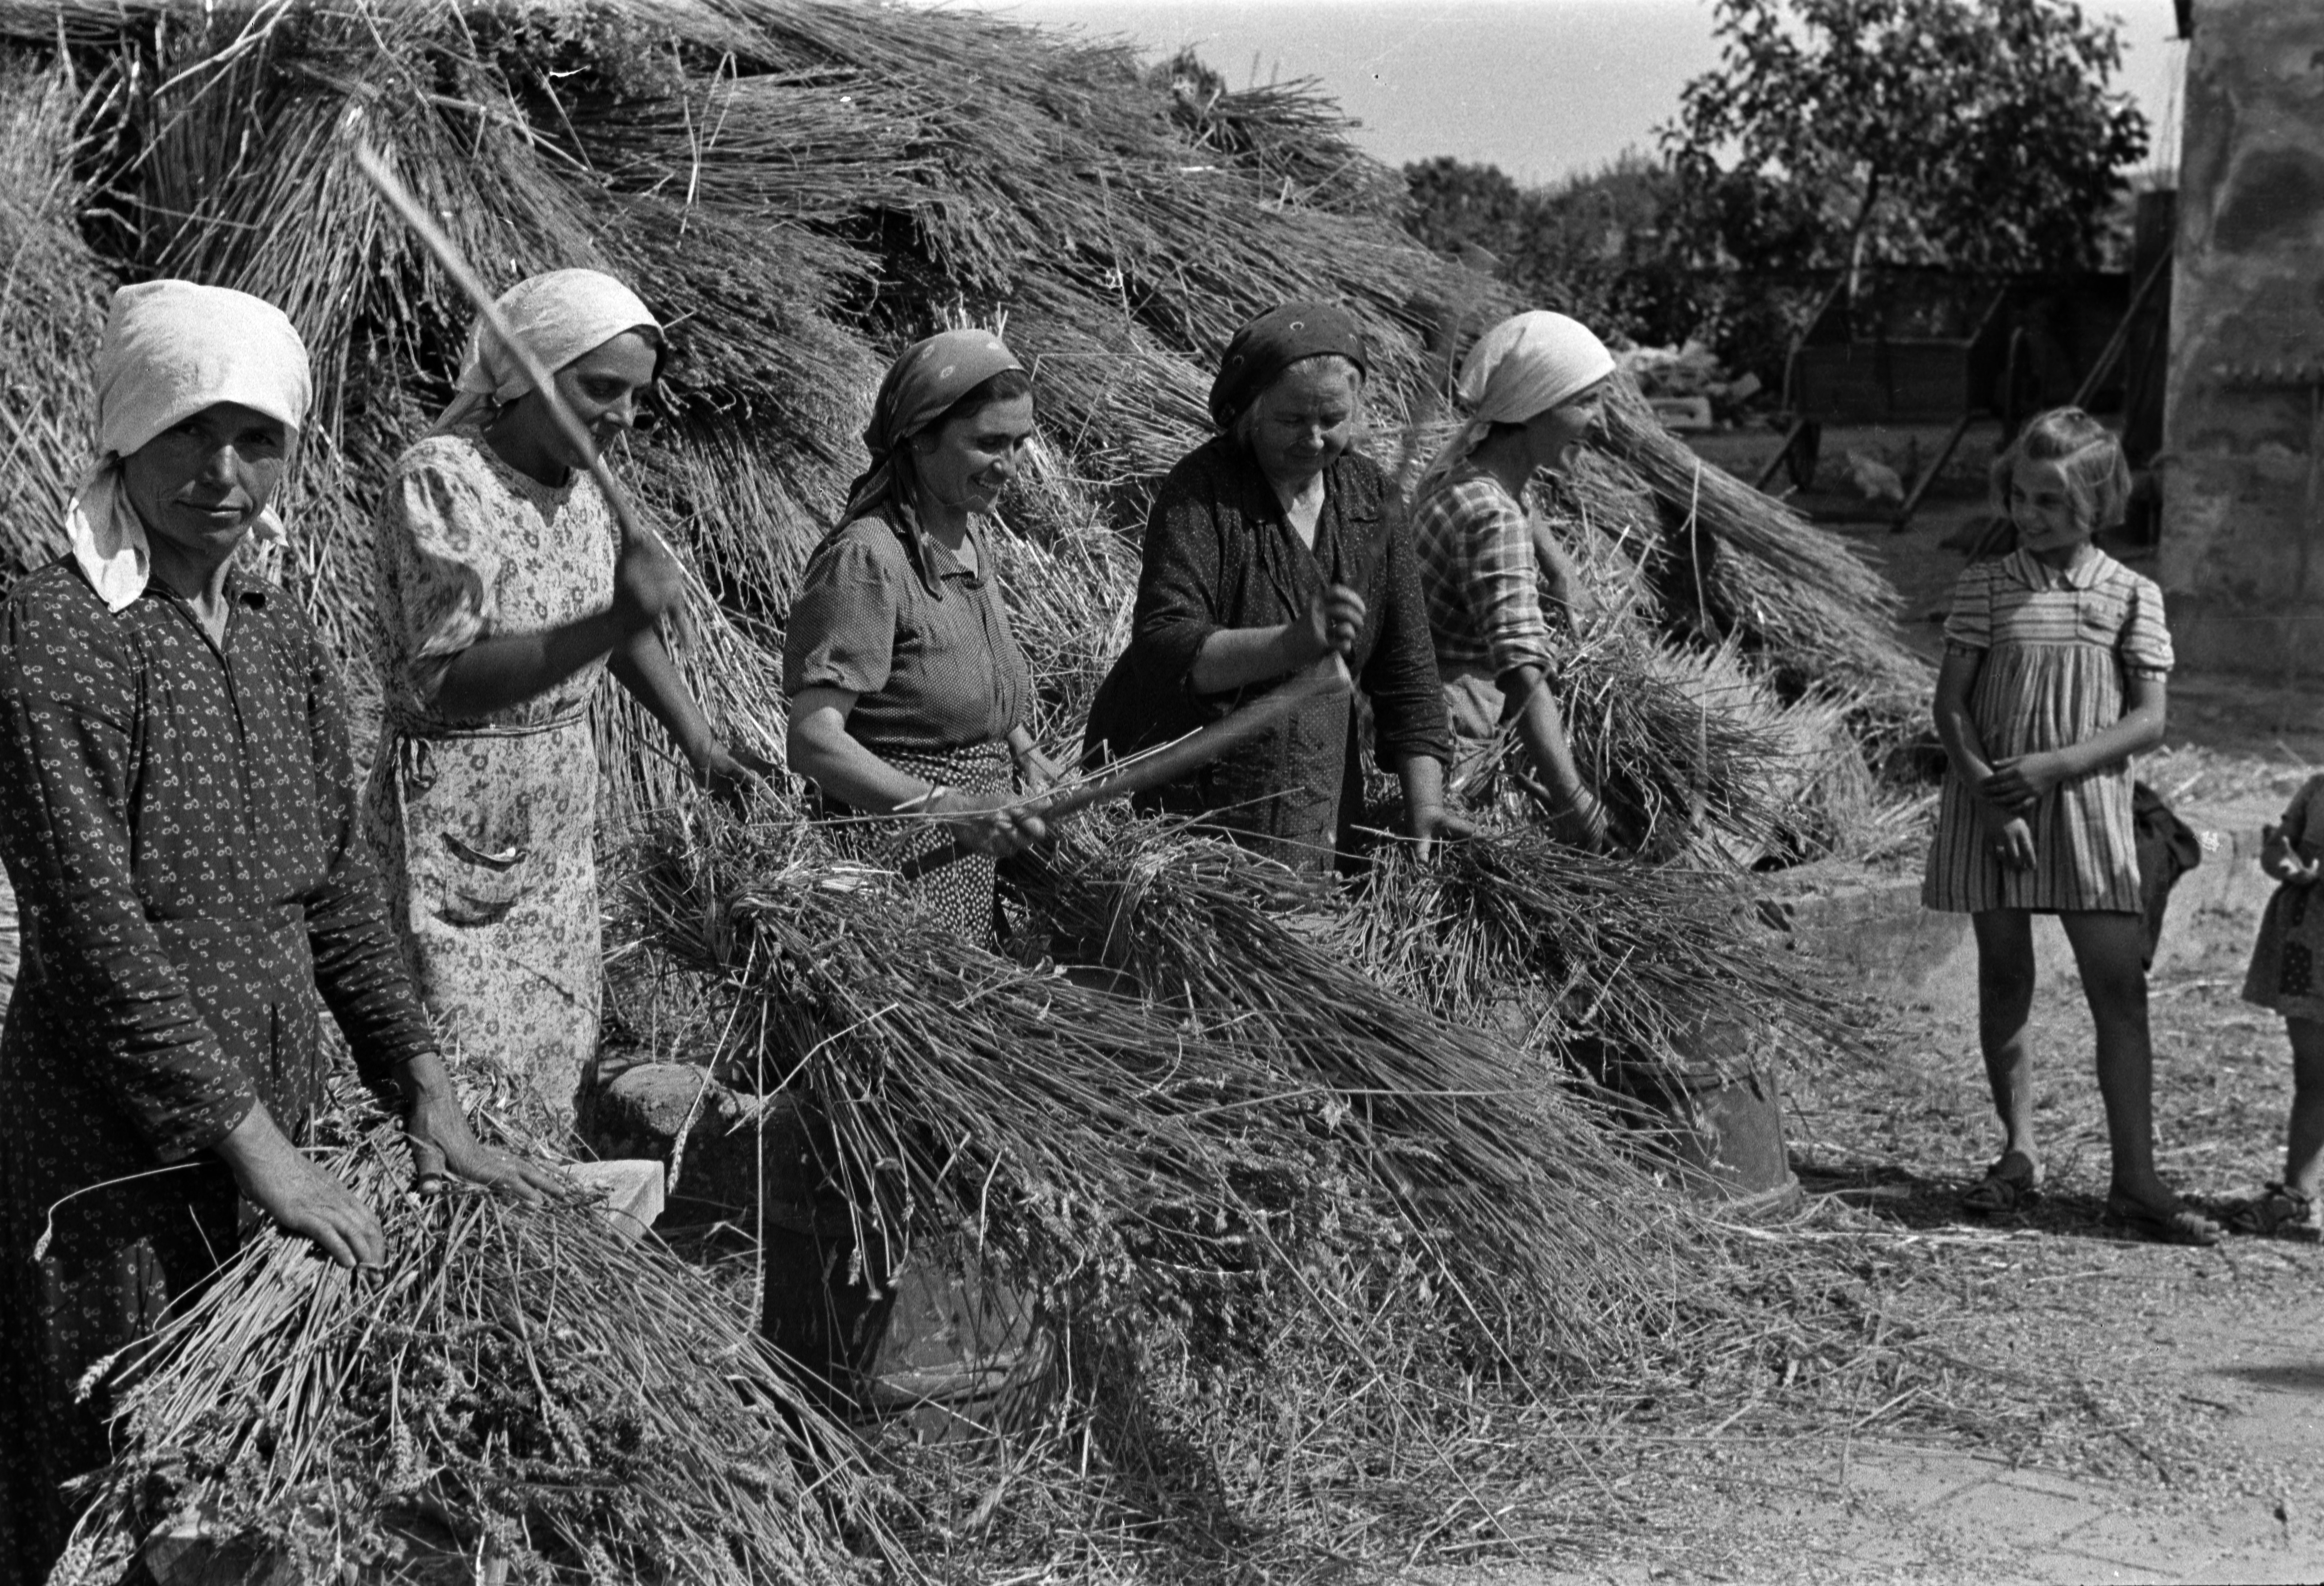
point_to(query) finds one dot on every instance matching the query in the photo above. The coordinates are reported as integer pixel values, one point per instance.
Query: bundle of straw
(521, 1393)
(54, 287)
(1805, 605)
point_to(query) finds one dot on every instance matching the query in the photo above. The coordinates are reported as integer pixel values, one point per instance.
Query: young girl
(2283, 976)
(2053, 674)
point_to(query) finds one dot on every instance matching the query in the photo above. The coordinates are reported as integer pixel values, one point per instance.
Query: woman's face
(2049, 521)
(1552, 433)
(1301, 424)
(967, 462)
(198, 483)
(601, 387)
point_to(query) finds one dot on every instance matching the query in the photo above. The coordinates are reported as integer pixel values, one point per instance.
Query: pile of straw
(521, 1394)
(54, 289)
(798, 187)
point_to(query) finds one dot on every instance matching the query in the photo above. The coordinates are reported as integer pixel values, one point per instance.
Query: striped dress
(2057, 648)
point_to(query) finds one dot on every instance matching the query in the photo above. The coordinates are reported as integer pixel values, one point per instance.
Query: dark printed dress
(179, 824)
(1218, 554)
(939, 685)
(2289, 959)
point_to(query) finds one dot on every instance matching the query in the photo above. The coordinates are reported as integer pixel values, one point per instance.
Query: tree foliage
(1975, 133)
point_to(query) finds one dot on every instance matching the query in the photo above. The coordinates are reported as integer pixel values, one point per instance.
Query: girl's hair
(2098, 476)
(1240, 427)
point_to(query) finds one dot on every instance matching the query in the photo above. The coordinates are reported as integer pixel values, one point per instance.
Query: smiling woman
(908, 693)
(505, 590)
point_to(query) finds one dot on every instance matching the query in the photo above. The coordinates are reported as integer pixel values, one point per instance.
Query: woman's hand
(299, 1197)
(1432, 824)
(730, 775)
(2021, 781)
(442, 1145)
(2282, 861)
(1334, 623)
(647, 583)
(986, 823)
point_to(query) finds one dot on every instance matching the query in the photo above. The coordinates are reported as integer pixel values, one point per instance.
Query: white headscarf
(172, 348)
(560, 316)
(1527, 365)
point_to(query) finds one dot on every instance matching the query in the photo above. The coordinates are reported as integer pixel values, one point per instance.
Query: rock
(736, 1145)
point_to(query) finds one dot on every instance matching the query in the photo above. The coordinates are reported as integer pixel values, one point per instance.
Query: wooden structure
(1928, 346)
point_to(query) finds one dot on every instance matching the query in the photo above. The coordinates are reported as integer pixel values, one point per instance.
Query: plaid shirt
(1475, 549)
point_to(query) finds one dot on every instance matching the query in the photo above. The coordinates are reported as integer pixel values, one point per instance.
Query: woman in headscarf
(1532, 385)
(178, 816)
(506, 589)
(1271, 547)
(908, 694)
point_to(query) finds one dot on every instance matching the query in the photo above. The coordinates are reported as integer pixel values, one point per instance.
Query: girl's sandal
(2181, 1225)
(2277, 1211)
(2008, 1185)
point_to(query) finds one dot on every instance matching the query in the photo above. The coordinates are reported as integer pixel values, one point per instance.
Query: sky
(1542, 88)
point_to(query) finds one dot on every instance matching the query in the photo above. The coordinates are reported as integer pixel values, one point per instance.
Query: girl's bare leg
(2005, 1007)
(2303, 1148)
(2111, 950)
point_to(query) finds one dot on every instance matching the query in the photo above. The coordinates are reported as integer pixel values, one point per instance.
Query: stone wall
(2244, 430)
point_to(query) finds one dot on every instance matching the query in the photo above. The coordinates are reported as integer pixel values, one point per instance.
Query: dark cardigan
(1218, 554)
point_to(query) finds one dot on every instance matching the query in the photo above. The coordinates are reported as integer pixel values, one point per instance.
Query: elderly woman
(505, 590)
(1532, 384)
(908, 694)
(177, 815)
(1272, 546)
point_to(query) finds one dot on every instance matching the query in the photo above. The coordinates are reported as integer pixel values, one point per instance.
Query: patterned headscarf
(1267, 346)
(560, 316)
(921, 387)
(172, 348)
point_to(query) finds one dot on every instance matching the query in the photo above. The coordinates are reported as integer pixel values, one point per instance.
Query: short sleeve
(443, 563)
(842, 632)
(2144, 645)
(1969, 626)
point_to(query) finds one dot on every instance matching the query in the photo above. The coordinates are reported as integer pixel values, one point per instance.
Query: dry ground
(2202, 1370)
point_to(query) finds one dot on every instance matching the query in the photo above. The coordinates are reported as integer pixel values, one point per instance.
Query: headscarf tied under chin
(921, 387)
(561, 316)
(1267, 346)
(170, 349)
(1527, 365)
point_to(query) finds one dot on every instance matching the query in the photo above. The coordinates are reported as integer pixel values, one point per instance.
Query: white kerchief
(559, 316)
(172, 348)
(1528, 363)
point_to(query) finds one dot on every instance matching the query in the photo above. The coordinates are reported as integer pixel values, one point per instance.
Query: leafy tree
(1978, 134)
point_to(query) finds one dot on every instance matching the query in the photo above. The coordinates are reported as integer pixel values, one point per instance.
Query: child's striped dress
(2058, 647)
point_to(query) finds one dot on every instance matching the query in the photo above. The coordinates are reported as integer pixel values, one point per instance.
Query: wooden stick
(1325, 678)
(544, 380)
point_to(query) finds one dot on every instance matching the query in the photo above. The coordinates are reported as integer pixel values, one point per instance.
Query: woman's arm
(645, 669)
(822, 751)
(1579, 814)
(493, 673)
(1236, 657)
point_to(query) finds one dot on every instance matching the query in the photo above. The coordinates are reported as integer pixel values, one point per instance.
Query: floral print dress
(486, 827)
(2287, 966)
